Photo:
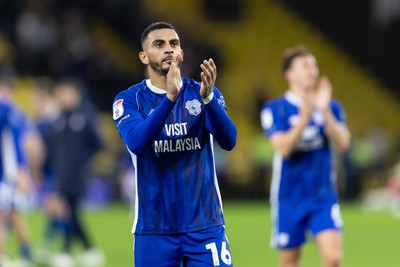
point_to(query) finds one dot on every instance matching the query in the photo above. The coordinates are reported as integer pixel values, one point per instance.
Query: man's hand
(174, 79)
(306, 110)
(323, 94)
(208, 77)
(335, 130)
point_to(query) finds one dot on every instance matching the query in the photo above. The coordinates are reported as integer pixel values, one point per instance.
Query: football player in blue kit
(14, 177)
(302, 126)
(168, 124)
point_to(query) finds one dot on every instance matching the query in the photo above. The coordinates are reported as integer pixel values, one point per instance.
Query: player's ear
(143, 57)
(287, 75)
(181, 59)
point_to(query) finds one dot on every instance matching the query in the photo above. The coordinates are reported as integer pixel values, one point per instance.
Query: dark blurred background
(97, 41)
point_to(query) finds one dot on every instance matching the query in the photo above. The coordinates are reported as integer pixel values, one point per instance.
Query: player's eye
(158, 44)
(175, 43)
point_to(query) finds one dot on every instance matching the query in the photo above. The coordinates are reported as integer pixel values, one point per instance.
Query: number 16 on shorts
(224, 255)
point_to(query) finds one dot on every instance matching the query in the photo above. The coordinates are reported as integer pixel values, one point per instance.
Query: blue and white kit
(171, 146)
(303, 188)
(12, 158)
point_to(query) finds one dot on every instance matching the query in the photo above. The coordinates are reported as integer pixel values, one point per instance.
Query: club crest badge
(193, 106)
(118, 109)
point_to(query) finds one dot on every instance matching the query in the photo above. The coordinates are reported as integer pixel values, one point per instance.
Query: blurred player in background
(46, 111)
(18, 144)
(302, 125)
(73, 140)
(168, 124)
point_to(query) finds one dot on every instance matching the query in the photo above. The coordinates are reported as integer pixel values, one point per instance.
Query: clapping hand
(174, 78)
(323, 94)
(208, 77)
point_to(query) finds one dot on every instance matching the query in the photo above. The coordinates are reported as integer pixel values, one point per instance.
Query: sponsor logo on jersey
(118, 109)
(193, 106)
(311, 139)
(176, 145)
(176, 129)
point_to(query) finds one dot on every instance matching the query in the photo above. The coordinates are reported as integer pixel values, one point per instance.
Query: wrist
(208, 98)
(171, 97)
(303, 122)
(325, 110)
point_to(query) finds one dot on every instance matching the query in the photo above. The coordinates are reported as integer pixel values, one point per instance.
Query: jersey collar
(293, 99)
(159, 90)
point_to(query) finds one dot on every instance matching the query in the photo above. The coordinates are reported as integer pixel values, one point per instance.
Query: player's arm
(285, 141)
(217, 121)
(19, 132)
(219, 124)
(335, 128)
(139, 133)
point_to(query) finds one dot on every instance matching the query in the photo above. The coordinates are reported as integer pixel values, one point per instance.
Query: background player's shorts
(293, 219)
(11, 199)
(204, 248)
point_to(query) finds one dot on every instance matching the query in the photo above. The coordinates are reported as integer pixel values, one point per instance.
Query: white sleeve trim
(208, 98)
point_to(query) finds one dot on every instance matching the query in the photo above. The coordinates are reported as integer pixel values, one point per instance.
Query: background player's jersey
(12, 126)
(308, 173)
(176, 184)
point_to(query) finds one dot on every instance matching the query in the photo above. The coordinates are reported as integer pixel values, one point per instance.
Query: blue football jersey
(11, 130)
(308, 173)
(171, 146)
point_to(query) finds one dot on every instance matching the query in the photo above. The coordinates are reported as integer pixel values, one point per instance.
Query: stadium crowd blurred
(45, 41)
(51, 38)
(47, 44)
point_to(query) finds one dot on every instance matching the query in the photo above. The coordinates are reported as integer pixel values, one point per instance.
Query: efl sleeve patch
(118, 109)
(266, 119)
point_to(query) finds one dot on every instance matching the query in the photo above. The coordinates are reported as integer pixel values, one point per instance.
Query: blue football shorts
(203, 248)
(11, 199)
(293, 220)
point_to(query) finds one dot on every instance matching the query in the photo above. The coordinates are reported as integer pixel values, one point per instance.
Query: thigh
(21, 202)
(157, 250)
(206, 248)
(329, 243)
(289, 257)
(289, 224)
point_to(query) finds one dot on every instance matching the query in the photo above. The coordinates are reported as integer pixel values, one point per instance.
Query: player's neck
(300, 92)
(159, 81)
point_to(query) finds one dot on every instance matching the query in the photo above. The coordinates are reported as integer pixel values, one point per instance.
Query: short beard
(157, 67)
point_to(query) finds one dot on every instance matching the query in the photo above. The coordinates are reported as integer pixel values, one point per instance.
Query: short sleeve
(338, 111)
(273, 119)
